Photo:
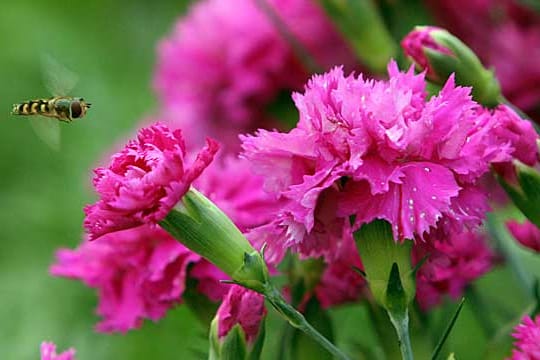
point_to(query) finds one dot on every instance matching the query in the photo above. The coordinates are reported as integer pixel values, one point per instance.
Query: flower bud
(202, 227)
(441, 54)
(237, 329)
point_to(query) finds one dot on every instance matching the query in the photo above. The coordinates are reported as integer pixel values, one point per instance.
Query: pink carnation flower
(452, 263)
(244, 307)
(139, 273)
(225, 62)
(378, 150)
(48, 352)
(505, 35)
(144, 181)
(527, 335)
(527, 234)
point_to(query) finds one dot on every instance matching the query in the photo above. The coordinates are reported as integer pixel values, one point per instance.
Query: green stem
(401, 324)
(297, 320)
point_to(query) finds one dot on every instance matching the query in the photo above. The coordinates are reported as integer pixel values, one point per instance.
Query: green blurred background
(111, 46)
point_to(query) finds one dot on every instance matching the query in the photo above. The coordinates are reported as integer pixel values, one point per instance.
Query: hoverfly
(46, 113)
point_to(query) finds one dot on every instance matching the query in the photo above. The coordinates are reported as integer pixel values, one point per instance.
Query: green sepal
(396, 299)
(202, 227)
(526, 193)
(468, 69)
(302, 346)
(215, 347)
(256, 349)
(364, 29)
(380, 253)
(396, 307)
(253, 273)
(234, 345)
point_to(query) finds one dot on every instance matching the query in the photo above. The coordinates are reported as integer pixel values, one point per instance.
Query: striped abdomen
(34, 107)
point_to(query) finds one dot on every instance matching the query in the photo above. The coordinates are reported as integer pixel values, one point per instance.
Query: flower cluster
(225, 63)
(144, 181)
(142, 272)
(373, 149)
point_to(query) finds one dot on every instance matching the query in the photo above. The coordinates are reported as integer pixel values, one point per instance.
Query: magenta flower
(527, 335)
(414, 43)
(378, 150)
(144, 181)
(452, 263)
(48, 352)
(243, 307)
(224, 64)
(139, 273)
(527, 234)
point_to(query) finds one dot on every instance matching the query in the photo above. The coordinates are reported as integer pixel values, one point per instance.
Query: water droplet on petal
(422, 215)
(433, 197)
(427, 169)
(414, 189)
(411, 219)
(411, 201)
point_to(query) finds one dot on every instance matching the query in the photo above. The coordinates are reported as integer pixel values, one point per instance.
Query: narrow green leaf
(447, 331)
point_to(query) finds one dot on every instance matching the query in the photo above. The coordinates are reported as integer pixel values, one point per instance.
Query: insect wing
(58, 79)
(48, 130)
